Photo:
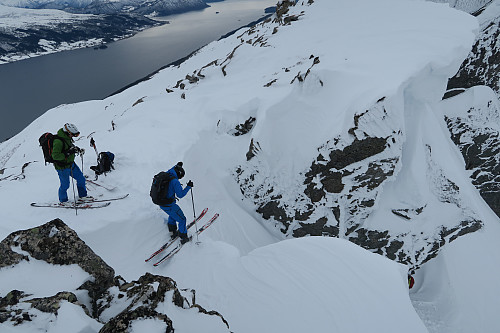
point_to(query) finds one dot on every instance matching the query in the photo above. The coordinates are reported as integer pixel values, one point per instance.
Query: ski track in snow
(243, 267)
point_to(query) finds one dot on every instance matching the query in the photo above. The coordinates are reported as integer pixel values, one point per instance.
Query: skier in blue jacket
(175, 214)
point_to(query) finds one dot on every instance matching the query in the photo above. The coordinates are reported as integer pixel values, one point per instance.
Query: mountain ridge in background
(334, 162)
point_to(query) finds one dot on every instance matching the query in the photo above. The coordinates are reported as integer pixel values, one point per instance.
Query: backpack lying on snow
(159, 189)
(104, 163)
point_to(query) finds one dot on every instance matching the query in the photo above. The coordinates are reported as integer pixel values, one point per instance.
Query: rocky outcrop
(140, 299)
(113, 301)
(479, 143)
(482, 66)
(338, 193)
(56, 243)
(472, 131)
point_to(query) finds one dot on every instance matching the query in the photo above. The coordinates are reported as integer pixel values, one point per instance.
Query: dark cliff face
(478, 141)
(479, 144)
(55, 243)
(482, 66)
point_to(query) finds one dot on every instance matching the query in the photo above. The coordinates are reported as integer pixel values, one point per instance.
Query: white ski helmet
(71, 129)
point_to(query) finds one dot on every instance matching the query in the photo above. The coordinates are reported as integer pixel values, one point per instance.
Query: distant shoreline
(181, 60)
(55, 80)
(98, 31)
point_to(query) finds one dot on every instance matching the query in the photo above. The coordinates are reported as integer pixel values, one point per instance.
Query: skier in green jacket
(63, 152)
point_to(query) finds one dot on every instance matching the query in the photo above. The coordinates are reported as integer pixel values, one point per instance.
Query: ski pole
(81, 155)
(74, 194)
(92, 144)
(194, 214)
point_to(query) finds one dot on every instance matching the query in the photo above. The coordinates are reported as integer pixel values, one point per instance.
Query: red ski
(179, 246)
(171, 241)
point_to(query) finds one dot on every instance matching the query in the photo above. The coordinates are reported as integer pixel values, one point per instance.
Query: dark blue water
(30, 87)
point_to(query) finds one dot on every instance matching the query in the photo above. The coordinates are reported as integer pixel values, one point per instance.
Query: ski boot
(173, 229)
(86, 199)
(184, 238)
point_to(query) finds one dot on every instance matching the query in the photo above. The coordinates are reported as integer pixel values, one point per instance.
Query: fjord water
(30, 87)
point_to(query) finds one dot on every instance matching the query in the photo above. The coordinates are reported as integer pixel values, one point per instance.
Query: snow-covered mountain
(322, 139)
(26, 33)
(158, 7)
(31, 28)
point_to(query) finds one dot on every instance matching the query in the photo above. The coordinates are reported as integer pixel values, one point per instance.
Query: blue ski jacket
(175, 187)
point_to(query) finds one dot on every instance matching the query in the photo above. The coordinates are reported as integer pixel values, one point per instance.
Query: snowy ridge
(304, 125)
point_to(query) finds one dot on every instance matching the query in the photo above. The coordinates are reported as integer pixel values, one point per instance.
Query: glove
(190, 183)
(81, 151)
(70, 151)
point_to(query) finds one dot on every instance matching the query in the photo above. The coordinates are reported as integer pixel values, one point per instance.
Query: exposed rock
(52, 304)
(408, 213)
(482, 66)
(315, 210)
(339, 192)
(11, 298)
(56, 243)
(356, 152)
(142, 299)
(480, 147)
(9, 257)
(282, 9)
(253, 150)
(478, 142)
(318, 228)
(121, 323)
(244, 128)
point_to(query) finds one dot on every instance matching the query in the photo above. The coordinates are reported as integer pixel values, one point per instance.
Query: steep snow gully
(319, 136)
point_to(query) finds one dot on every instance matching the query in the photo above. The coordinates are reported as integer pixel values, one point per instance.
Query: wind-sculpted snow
(325, 121)
(342, 189)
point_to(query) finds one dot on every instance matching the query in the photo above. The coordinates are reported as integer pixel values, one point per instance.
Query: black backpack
(104, 163)
(47, 142)
(159, 189)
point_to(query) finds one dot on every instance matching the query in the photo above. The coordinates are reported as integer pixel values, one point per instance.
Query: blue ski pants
(175, 215)
(64, 175)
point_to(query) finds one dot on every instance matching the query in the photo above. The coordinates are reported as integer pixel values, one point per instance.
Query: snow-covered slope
(326, 120)
(14, 18)
(161, 7)
(469, 6)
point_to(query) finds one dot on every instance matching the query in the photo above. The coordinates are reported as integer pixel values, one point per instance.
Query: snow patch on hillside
(243, 267)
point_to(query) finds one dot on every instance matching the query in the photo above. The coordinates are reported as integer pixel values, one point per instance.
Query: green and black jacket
(60, 146)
